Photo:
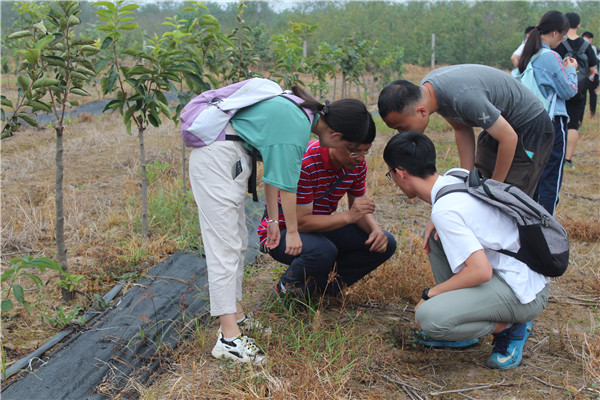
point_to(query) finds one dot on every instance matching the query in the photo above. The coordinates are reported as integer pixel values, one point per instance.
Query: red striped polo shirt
(316, 177)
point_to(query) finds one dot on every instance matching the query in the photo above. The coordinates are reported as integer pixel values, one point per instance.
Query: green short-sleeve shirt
(280, 131)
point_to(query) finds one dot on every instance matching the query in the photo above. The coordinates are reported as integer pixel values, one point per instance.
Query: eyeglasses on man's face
(358, 153)
(389, 173)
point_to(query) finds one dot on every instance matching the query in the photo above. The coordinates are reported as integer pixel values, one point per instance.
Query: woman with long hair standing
(557, 81)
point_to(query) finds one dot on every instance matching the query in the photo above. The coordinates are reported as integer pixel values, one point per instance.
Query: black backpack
(583, 64)
(544, 242)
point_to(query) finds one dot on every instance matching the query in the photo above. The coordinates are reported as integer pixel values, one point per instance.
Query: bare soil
(562, 357)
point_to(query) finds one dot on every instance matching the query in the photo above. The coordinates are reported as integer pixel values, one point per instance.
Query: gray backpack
(544, 242)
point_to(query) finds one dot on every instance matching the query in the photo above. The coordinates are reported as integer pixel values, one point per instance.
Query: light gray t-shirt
(476, 95)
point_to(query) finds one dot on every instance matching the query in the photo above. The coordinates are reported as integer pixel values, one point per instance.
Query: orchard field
(354, 347)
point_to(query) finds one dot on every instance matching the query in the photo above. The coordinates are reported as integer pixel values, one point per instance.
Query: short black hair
(529, 29)
(588, 34)
(574, 19)
(371, 133)
(397, 96)
(413, 151)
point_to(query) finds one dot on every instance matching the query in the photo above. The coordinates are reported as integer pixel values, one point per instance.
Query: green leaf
(28, 118)
(44, 82)
(130, 7)
(154, 120)
(38, 105)
(56, 61)
(18, 292)
(7, 305)
(164, 108)
(112, 78)
(75, 75)
(79, 91)
(31, 55)
(44, 262)
(106, 4)
(73, 20)
(41, 27)
(129, 27)
(43, 42)
(85, 71)
(27, 306)
(7, 275)
(82, 41)
(36, 279)
(19, 35)
(127, 120)
(24, 82)
(106, 42)
(91, 50)
(139, 70)
(6, 102)
(112, 105)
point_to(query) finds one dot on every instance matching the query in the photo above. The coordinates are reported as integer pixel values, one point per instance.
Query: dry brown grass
(357, 346)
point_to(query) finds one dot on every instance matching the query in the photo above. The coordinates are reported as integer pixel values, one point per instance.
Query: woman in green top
(279, 129)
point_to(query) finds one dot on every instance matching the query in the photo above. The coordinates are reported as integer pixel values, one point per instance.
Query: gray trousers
(472, 312)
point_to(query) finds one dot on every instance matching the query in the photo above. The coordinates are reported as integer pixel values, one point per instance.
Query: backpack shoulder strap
(298, 105)
(455, 187)
(568, 47)
(583, 47)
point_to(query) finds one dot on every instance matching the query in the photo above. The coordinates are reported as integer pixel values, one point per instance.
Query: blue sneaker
(508, 346)
(425, 340)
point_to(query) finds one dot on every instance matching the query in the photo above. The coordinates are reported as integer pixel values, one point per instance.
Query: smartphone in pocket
(237, 169)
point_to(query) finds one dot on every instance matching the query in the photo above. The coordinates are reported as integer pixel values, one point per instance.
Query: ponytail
(349, 117)
(532, 46)
(550, 22)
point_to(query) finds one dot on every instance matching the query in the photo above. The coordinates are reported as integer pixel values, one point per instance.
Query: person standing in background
(556, 80)
(593, 88)
(578, 48)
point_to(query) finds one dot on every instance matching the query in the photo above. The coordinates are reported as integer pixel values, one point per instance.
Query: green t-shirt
(280, 131)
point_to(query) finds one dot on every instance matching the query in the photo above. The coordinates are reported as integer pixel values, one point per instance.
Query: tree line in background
(483, 32)
(139, 54)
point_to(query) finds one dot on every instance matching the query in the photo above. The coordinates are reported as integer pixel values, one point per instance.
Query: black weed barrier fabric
(128, 340)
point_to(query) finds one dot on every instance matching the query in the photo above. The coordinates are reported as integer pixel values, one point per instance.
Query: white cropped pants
(220, 198)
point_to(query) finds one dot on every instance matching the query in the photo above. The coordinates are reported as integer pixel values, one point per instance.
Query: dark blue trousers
(342, 251)
(551, 180)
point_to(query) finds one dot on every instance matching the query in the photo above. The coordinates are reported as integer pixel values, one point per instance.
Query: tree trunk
(343, 85)
(334, 86)
(183, 169)
(61, 247)
(144, 183)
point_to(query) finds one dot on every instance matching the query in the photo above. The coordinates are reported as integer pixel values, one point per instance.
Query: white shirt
(466, 224)
(519, 50)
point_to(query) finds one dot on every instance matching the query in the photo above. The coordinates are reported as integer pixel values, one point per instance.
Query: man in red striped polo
(349, 243)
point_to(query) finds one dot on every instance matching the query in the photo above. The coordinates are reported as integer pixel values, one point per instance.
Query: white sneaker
(240, 349)
(249, 324)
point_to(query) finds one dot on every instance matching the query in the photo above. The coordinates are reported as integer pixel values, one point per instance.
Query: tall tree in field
(238, 59)
(55, 67)
(140, 90)
(200, 39)
(288, 53)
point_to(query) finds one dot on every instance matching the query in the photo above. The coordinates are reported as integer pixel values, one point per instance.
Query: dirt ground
(562, 357)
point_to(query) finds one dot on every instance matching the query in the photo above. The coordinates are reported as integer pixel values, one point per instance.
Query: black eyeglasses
(389, 173)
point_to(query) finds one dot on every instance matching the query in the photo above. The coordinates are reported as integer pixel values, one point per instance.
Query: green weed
(174, 214)
(16, 271)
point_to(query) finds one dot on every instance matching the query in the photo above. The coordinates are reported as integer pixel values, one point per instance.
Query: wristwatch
(425, 294)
